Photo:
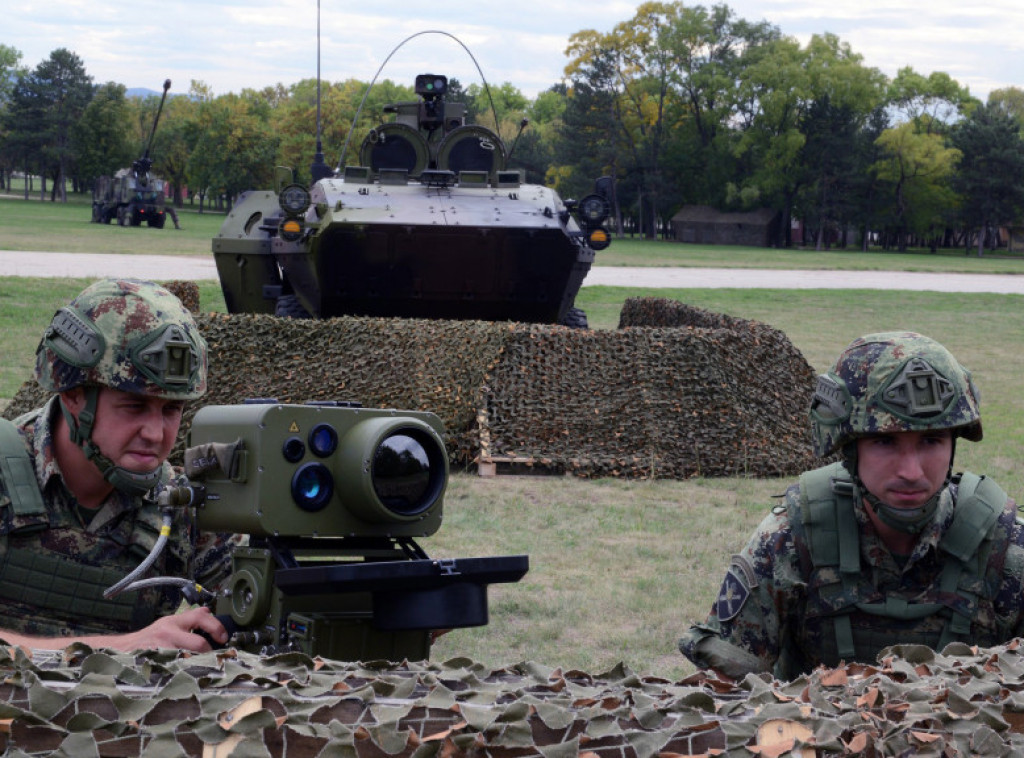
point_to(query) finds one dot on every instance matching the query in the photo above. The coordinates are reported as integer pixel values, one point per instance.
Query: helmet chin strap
(131, 483)
(906, 520)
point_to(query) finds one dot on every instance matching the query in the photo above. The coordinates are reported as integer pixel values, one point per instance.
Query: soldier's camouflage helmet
(893, 382)
(131, 335)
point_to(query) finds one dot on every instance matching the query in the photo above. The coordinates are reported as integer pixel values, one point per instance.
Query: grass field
(32, 225)
(620, 568)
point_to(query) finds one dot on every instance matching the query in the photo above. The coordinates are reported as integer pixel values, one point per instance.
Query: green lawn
(34, 225)
(67, 228)
(637, 252)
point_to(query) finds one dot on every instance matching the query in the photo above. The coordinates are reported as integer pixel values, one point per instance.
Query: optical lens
(407, 473)
(293, 449)
(323, 440)
(312, 486)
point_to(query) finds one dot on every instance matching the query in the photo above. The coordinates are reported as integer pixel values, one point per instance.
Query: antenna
(318, 169)
(352, 128)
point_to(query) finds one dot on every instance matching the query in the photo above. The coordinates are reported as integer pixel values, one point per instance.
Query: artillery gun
(132, 195)
(430, 224)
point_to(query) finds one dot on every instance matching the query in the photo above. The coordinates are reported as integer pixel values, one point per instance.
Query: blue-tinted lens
(323, 440)
(312, 486)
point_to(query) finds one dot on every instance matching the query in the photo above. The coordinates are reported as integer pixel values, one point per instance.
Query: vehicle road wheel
(288, 306)
(575, 318)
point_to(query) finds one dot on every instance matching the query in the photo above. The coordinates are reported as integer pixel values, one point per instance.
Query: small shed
(702, 224)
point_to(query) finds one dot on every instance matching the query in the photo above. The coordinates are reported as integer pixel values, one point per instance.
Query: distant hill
(144, 92)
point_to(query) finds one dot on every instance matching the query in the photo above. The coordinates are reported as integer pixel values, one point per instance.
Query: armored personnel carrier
(430, 224)
(132, 195)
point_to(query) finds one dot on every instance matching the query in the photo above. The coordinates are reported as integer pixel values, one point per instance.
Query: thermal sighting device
(332, 497)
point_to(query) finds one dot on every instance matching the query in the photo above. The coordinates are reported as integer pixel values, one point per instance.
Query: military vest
(847, 617)
(44, 590)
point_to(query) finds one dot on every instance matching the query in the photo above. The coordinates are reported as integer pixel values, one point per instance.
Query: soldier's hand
(182, 631)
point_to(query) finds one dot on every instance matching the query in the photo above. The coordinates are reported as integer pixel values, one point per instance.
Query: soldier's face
(135, 432)
(904, 469)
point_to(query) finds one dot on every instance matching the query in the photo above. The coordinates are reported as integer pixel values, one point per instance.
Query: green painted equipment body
(331, 498)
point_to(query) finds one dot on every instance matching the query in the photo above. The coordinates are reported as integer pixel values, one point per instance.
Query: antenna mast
(318, 169)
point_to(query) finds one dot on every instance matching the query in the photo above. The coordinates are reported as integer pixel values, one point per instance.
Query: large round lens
(312, 486)
(407, 473)
(323, 440)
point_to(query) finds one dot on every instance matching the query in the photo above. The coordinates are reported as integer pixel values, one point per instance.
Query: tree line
(683, 105)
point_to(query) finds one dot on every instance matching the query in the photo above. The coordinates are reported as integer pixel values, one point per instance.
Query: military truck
(132, 195)
(430, 224)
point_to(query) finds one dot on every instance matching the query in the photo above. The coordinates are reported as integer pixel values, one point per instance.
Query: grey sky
(233, 44)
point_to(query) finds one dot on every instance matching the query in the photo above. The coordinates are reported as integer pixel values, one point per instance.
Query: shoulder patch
(732, 596)
(740, 561)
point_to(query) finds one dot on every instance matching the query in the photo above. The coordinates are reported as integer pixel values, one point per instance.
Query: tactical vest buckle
(842, 487)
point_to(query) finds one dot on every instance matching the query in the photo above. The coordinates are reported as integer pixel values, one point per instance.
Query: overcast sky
(233, 44)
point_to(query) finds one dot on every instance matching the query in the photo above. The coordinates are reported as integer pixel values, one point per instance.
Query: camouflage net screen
(664, 401)
(677, 392)
(82, 702)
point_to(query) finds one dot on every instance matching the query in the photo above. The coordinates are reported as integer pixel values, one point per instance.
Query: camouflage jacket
(54, 566)
(770, 616)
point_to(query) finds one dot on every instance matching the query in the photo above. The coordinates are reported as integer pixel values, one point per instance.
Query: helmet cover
(127, 334)
(893, 382)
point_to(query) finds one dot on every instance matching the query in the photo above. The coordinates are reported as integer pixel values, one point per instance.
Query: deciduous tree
(102, 139)
(988, 174)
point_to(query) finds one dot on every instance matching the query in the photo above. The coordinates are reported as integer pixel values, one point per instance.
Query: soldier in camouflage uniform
(78, 508)
(885, 546)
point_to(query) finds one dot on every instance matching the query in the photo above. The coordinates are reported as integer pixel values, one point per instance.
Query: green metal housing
(431, 224)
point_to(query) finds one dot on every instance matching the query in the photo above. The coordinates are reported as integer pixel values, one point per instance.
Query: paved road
(88, 265)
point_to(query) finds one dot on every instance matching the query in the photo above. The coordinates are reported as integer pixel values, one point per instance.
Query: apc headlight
(294, 199)
(593, 210)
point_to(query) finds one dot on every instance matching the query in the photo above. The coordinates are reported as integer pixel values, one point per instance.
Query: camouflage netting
(85, 702)
(661, 311)
(407, 364)
(670, 402)
(186, 292)
(681, 392)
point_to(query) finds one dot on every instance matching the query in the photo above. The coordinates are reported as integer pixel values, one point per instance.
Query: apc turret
(429, 224)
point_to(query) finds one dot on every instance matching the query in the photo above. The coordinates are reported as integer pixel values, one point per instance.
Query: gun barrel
(156, 120)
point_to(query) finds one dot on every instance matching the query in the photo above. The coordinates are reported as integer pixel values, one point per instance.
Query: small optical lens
(323, 440)
(293, 449)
